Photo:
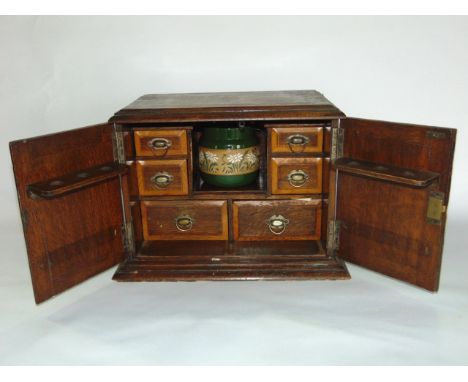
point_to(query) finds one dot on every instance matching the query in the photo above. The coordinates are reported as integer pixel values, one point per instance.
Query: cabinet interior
(244, 247)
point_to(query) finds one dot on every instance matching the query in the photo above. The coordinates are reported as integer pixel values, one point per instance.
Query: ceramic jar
(229, 156)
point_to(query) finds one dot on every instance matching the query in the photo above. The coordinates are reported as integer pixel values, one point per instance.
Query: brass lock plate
(435, 207)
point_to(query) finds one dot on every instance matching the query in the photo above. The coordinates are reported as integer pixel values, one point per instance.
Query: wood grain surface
(176, 168)
(75, 236)
(210, 221)
(281, 136)
(177, 140)
(250, 219)
(225, 261)
(384, 224)
(266, 105)
(281, 168)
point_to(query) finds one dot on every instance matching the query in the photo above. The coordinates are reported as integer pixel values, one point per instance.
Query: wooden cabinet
(330, 188)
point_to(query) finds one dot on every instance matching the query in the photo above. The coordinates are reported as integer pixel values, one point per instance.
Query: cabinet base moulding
(224, 261)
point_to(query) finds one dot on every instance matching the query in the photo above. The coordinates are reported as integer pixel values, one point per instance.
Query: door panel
(78, 234)
(384, 223)
(383, 228)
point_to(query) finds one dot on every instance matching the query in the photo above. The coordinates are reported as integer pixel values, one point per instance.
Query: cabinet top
(193, 107)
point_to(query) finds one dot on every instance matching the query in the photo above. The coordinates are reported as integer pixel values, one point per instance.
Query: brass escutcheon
(184, 223)
(159, 144)
(297, 178)
(277, 224)
(162, 179)
(297, 142)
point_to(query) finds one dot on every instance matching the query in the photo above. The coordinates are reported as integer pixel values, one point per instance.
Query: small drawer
(160, 143)
(297, 219)
(162, 177)
(296, 139)
(296, 175)
(185, 220)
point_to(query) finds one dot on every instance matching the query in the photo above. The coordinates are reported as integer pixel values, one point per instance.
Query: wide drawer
(162, 177)
(185, 220)
(160, 143)
(297, 219)
(296, 139)
(296, 175)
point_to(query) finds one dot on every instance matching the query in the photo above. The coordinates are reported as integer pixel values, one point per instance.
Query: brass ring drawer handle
(297, 141)
(184, 223)
(162, 179)
(297, 178)
(277, 224)
(159, 144)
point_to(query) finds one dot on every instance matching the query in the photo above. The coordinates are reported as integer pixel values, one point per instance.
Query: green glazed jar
(229, 156)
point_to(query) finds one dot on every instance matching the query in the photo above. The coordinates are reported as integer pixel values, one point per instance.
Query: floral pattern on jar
(229, 162)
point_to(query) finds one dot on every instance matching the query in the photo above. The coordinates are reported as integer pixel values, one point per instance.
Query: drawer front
(185, 220)
(296, 175)
(297, 219)
(296, 139)
(162, 177)
(160, 143)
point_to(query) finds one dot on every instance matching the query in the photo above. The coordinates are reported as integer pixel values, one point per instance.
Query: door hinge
(333, 235)
(435, 207)
(436, 134)
(118, 144)
(337, 143)
(128, 237)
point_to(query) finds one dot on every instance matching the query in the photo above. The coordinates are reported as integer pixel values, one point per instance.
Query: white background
(60, 73)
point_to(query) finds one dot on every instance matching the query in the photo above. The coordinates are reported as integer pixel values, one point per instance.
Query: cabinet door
(392, 191)
(70, 197)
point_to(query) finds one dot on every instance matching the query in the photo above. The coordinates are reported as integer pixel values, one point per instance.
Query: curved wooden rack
(404, 176)
(54, 188)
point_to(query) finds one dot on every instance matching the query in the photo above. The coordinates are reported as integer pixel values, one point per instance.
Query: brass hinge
(333, 235)
(436, 134)
(435, 207)
(128, 237)
(337, 141)
(118, 144)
